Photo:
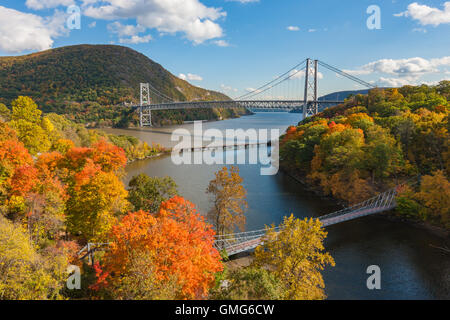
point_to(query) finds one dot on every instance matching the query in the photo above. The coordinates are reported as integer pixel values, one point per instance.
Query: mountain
(335, 96)
(341, 95)
(86, 82)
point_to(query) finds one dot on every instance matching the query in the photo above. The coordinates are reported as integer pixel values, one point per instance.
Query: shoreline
(438, 231)
(154, 156)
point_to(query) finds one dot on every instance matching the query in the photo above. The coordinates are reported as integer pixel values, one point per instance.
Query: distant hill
(335, 96)
(341, 95)
(82, 79)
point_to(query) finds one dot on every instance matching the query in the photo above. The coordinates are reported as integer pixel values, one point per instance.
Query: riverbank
(390, 215)
(154, 156)
(413, 268)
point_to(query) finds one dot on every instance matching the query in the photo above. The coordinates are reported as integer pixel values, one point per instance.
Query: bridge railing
(233, 242)
(381, 201)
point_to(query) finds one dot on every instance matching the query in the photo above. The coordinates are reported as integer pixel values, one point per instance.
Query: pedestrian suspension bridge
(246, 241)
(281, 93)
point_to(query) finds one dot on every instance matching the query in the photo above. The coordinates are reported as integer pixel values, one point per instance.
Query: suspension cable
(345, 74)
(257, 91)
(160, 94)
(281, 81)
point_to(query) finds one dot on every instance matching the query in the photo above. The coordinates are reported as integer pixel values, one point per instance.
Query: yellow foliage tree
(24, 273)
(435, 195)
(296, 256)
(229, 203)
(95, 205)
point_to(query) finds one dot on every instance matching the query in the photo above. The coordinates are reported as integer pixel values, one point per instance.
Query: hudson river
(411, 266)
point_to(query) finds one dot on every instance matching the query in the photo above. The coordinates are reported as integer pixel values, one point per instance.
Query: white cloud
(190, 77)
(221, 43)
(226, 88)
(136, 39)
(21, 31)
(394, 82)
(421, 30)
(312, 30)
(129, 33)
(293, 28)
(427, 15)
(190, 17)
(411, 67)
(45, 4)
(92, 24)
(403, 71)
(124, 30)
(252, 90)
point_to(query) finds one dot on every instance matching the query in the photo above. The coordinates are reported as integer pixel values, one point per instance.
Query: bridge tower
(145, 114)
(311, 105)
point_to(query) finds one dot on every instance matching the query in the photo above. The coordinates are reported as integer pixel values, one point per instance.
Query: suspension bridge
(281, 93)
(246, 241)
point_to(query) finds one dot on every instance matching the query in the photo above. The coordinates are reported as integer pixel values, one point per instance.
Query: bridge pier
(311, 105)
(145, 113)
(145, 117)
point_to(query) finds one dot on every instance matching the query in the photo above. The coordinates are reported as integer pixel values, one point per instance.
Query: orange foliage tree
(177, 242)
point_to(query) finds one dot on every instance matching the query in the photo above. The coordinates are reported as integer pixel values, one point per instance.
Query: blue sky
(232, 46)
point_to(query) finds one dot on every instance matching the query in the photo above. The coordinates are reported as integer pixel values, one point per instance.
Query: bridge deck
(246, 241)
(257, 104)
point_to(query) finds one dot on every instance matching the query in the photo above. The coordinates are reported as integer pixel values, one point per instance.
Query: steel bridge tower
(145, 114)
(311, 105)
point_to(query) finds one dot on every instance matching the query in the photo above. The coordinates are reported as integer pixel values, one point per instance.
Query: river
(411, 266)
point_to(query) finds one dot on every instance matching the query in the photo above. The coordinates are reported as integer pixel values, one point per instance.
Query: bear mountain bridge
(282, 93)
(263, 98)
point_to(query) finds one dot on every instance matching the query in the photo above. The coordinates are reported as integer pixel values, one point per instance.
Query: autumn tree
(228, 211)
(95, 204)
(26, 120)
(172, 249)
(5, 113)
(146, 193)
(434, 194)
(250, 283)
(295, 254)
(24, 272)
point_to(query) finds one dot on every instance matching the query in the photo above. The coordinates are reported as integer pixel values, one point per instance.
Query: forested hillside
(61, 188)
(90, 83)
(376, 141)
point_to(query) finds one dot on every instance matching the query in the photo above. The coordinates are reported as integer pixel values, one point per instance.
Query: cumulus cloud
(426, 15)
(21, 31)
(190, 77)
(395, 82)
(190, 17)
(136, 39)
(46, 4)
(293, 28)
(402, 71)
(129, 33)
(412, 67)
